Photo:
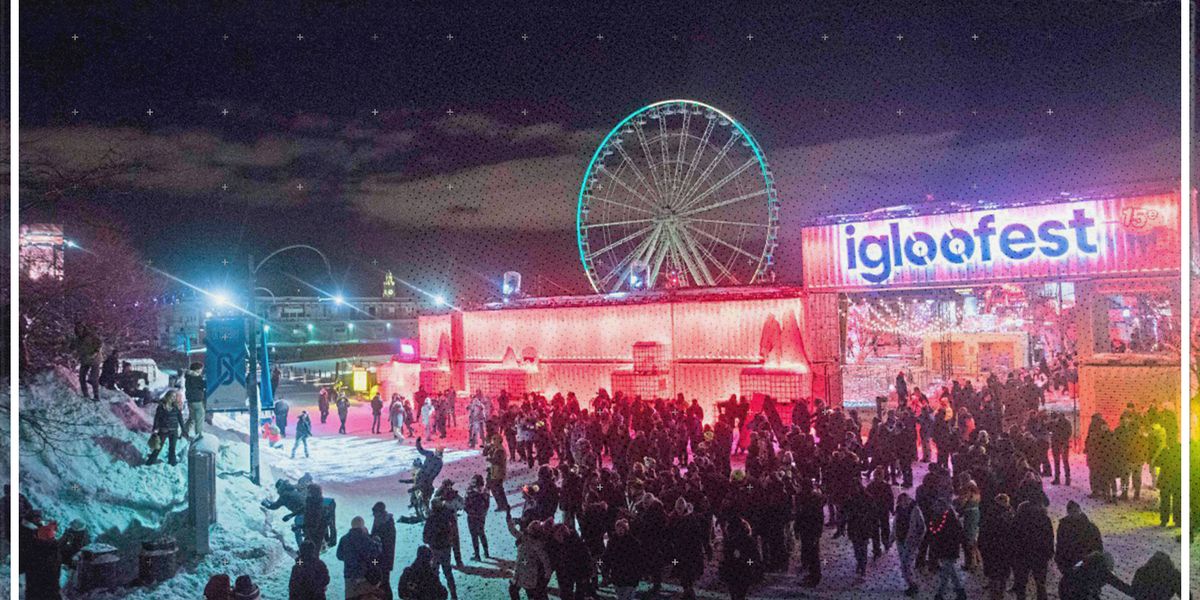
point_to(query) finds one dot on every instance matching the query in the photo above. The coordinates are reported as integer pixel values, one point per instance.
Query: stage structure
(704, 343)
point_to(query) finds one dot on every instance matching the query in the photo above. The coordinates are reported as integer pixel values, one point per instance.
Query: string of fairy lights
(917, 318)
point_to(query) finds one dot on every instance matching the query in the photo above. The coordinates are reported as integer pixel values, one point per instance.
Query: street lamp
(255, 331)
(439, 300)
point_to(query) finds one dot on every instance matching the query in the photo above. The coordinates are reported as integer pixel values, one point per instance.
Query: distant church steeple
(389, 285)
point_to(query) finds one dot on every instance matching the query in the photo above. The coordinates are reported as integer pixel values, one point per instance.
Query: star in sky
(224, 112)
(899, 111)
(750, 37)
(75, 112)
(449, 37)
(1050, 111)
(524, 112)
(975, 36)
(824, 37)
(600, 37)
(450, 112)
(75, 37)
(524, 37)
(300, 37)
(300, 186)
(375, 111)
(150, 112)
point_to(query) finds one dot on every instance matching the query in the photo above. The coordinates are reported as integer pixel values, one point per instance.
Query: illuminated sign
(1079, 238)
(359, 382)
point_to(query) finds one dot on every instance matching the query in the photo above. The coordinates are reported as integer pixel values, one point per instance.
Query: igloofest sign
(1077, 239)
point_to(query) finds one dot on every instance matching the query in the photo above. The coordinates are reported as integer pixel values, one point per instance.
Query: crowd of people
(636, 493)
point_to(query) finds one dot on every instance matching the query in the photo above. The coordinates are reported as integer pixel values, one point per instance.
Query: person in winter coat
(383, 528)
(945, 538)
(108, 370)
(909, 531)
(71, 542)
(419, 581)
(42, 560)
(1077, 538)
(995, 544)
(439, 535)
(533, 569)
(377, 414)
(323, 403)
(281, 415)
(809, 523)
(497, 470)
(168, 424)
(572, 563)
(197, 395)
(245, 589)
(1087, 577)
(219, 587)
(477, 415)
(343, 408)
(741, 561)
(621, 562)
(687, 534)
(1033, 535)
(1060, 447)
(860, 521)
(1158, 579)
(310, 576)
(879, 493)
(427, 417)
(357, 550)
(303, 432)
(318, 527)
(476, 507)
(967, 505)
(88, 350)
(396, 416)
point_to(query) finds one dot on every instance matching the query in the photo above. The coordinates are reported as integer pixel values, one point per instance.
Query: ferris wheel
(678, 194)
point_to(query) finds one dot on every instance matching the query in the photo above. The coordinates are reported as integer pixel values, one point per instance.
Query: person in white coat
(427, 415)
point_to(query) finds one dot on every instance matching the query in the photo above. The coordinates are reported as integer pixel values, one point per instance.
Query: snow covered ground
(357, 469)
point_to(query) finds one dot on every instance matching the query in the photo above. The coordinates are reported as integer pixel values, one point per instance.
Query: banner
(225, 363)
(266, 389)
(1135, 236)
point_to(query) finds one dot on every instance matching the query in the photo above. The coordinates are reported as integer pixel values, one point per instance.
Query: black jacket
(168, 419)
(384, 529)
(194, 387)
(308, 581)
(1077, 538)
(356, 550)
(622, 560)
(1033, 535)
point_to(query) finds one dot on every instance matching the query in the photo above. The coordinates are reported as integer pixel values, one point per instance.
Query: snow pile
(84, 460)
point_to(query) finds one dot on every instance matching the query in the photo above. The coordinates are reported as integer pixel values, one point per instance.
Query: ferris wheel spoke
(723, 242)
(637, 172)
(719, 184)
(656, 267)
(627, 188)
(712, 165)
(695, 251)
(668, 183)
(676, 184)
(716, 205)
(708, 129)
(721, 222)
(621, 204)
(681, 253)
(720, 265)
(649, 157)
(616, 223)
(619, 243)
(630, 257)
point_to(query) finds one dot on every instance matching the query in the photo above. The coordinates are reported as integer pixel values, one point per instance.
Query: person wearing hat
(245, 589)
(218, 588)
(75, 538)
(455, 502)
(383, 528)
(687, 534)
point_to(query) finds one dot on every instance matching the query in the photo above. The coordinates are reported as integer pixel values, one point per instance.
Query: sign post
(252, 374)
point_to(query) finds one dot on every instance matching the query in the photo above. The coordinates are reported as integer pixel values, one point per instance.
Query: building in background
(41, 251)
(298, 326)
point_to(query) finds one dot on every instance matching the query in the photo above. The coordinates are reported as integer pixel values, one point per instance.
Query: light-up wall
(579, 347)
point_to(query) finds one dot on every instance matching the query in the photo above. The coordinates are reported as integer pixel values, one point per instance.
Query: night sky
(263, 133)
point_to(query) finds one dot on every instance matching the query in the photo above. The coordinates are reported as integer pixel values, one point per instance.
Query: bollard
(202, 492)
(98, 567)
(157, 561)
